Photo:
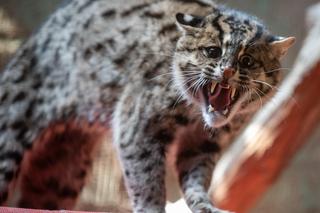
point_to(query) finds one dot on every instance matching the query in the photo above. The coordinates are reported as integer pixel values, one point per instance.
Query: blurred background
(298, 188)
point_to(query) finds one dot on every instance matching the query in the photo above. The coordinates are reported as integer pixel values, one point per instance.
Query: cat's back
(87, 46)
(114, 34)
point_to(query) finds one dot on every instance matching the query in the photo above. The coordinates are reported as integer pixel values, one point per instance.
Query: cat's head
(226, 61)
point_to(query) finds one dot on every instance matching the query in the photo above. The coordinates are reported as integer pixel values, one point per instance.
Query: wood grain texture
(276, 133)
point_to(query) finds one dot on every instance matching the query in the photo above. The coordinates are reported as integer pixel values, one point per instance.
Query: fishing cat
(155, 72)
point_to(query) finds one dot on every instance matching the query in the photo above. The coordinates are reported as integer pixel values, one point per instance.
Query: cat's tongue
(220, 97)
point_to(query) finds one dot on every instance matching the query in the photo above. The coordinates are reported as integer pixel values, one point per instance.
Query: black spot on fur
(46, 43)
(125, 31)
(258, 34)
(120, 60)
(71, 39)
(33, 62)
(36, 84)
(226, 128)
(4, 97)
(87, 24)
(20, 124)
(182, 175)
(152, 73)
(86, 5)
(129, 157)
(108, 14)
(20, 96)
(137, 194)
(156, 15)
(93, 76)
(144, 155)
(135, 201)
(210, 147)
(8, 176)
(87, 54)
(12, 155)
(134, 9)
(147, 169)
(21, 134)
(244, 78)
(174, 39)
(26, 144)
(181, 119)
(57, 55)
(2, 128)
(167, 29)
(149, 199)
(216, 25)
(164, 135)
(127, 173)
(25, 53)
(51, 85)
(99, 47)
(111, 43)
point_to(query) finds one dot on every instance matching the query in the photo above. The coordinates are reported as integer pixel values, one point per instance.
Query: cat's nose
(228, 73)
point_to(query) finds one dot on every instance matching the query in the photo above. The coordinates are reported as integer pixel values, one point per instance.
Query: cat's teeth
(233, 92)
(225, 86)
(225, 112)
(211, 109)
(213, 86)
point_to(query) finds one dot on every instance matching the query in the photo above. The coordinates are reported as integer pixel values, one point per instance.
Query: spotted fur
(96, 65)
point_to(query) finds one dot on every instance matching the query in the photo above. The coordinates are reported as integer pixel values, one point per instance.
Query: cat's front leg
(139, 140)
(196, 158)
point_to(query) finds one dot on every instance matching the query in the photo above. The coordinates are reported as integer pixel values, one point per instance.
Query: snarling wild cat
(155, 73)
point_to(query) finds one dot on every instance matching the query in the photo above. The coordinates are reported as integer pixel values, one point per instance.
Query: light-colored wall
(298, 188)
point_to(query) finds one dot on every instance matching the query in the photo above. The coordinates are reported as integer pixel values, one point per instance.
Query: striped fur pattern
(96, 65)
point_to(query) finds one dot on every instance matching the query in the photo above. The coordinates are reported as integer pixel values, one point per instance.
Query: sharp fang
(225, 86)
(213, 86)
(211, 109)
(225, 111)
(233, 92)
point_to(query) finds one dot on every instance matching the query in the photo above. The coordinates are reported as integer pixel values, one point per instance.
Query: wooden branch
(276, 133)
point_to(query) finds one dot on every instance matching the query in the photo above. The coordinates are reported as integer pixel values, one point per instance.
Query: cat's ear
(281, 45)
(189, 23)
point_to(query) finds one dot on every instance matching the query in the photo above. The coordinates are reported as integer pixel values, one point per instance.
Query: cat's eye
(246, 61)
(212, 52)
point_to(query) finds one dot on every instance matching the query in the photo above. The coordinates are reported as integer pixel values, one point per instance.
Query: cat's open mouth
(220, 97)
